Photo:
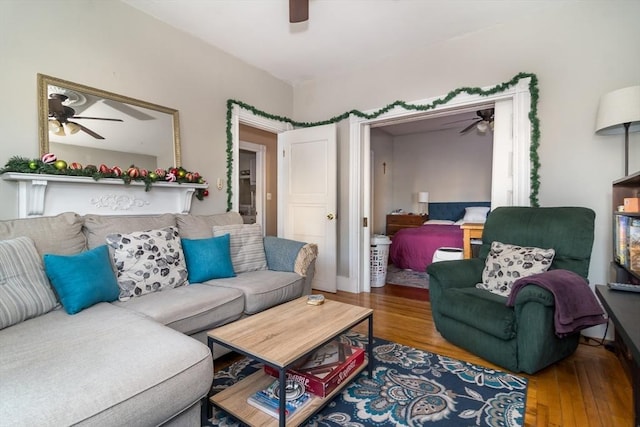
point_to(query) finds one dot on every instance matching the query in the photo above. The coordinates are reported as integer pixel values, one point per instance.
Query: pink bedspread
(414, 247)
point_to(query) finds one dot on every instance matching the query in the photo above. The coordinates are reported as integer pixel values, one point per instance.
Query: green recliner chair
(520, 338)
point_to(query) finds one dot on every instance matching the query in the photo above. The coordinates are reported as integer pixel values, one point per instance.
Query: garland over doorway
(533, 118)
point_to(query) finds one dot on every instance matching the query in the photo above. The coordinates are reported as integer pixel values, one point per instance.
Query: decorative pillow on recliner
(247, 248)
(24, 289)
(148, 261)
(506, 263)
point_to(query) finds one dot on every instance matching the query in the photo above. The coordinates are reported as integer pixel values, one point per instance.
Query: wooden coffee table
(279, 337)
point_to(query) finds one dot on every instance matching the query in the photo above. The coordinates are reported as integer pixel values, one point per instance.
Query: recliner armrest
(534, 293)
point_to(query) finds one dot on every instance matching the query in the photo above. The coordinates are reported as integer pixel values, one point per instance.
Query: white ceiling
(341, 35)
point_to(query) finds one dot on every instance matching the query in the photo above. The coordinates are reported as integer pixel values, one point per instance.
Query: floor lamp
(618, 112)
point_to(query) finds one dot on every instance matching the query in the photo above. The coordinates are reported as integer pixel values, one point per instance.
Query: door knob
(330, 216)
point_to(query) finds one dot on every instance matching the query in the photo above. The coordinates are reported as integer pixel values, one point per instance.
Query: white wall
(450, 166)
(382, 168)
(112, 46)
(578, 54)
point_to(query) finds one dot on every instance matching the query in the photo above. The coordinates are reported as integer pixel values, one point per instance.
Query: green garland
(38, 166)
(533, 118)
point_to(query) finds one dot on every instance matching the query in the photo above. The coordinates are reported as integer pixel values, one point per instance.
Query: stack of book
(326, 368)
(267, 400)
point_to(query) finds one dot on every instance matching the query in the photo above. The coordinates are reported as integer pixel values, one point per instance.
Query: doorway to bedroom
(440, 159)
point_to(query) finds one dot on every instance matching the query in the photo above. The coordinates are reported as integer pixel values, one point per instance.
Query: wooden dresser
(398, 222)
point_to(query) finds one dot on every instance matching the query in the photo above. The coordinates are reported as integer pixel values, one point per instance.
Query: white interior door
(307, 195)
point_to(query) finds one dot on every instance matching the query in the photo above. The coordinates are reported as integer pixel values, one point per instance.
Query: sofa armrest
(289, 255)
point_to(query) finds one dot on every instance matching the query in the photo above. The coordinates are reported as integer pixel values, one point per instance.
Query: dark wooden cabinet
(398, 222)
(626, 248)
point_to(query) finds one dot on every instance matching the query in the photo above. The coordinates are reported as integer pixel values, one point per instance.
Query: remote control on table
(624, 287)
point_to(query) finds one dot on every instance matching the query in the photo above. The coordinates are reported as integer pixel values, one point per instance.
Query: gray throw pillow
(25, 291)
(247, 248)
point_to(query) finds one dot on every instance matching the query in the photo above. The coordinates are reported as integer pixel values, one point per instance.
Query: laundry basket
(379, 258)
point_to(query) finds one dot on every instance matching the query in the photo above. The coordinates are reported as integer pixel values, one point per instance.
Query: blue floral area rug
(409, 387)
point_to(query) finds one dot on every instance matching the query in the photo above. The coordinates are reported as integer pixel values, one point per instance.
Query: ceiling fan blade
(128, 110)
(89, 131)
(471, 126)
(97, 118)
(298, 11)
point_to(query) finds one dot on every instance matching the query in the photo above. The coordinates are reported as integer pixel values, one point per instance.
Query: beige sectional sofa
(130, 361)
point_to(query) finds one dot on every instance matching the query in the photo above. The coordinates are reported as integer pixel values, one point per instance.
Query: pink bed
(414, 247)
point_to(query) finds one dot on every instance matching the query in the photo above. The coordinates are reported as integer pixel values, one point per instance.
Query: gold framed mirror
(82, 124)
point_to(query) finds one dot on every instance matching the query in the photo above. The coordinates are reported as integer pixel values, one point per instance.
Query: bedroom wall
(382, 167)
(579, 53)
(450, 166)
(114, 47)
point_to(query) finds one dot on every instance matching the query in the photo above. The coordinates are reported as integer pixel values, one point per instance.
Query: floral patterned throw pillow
(148, 261)
(507, 263)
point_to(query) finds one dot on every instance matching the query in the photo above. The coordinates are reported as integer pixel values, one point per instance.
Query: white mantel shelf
(45, 195)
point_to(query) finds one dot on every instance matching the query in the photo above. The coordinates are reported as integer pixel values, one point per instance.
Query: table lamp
(618, 112)
(423, 199)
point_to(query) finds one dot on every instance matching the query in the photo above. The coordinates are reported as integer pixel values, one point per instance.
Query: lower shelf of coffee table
(234, 400)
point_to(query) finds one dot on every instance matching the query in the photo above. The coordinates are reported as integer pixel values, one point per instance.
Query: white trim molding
(46, 195)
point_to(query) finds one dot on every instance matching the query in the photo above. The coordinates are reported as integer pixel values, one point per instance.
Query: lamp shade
(617, 108)
(423, 197)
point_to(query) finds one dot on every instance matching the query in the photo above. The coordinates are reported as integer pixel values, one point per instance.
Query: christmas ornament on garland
(51, 165)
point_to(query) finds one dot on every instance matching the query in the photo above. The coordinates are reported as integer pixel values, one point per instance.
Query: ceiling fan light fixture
(54, 126)
(482, 126)
(71, 128)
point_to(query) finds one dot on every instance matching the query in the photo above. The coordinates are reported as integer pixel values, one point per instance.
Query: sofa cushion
(208, 258)
(247, 247)
(190, 309)
(480, 309)
(82, 280)
(148, 261)
(507, 263)
(97, 227)
(60, 234)
(24, 289)
(103, 366)
(201, 226)
(264, 289)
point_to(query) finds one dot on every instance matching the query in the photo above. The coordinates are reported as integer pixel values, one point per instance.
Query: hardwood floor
(589, 388)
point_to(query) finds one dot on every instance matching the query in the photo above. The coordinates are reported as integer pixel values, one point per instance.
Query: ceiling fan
(59, 116)
(483, 122)
(298, 11)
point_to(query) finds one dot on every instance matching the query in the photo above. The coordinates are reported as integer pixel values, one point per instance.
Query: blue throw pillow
(82, 280)
(208, 258)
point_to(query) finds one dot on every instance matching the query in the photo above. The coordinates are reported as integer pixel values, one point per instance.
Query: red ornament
(49, 158)
(205, 193)
(161, 172)
(133, 172)
(104, 169)
(116, 171)
(144, 172)
(75, 165)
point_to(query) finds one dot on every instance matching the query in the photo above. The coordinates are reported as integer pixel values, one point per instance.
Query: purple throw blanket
(576, 307)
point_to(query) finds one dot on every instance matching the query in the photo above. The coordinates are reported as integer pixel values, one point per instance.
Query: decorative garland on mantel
(533, 118)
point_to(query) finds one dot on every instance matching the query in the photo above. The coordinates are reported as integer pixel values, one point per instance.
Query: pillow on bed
(475, 214)
(438, 222)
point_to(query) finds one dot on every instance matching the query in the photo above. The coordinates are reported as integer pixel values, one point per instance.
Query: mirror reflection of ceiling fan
(59, 116)
(483, 122)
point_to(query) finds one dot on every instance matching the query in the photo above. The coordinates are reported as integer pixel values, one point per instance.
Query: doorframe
(261, 176)
(360, 166)
(246, 117)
